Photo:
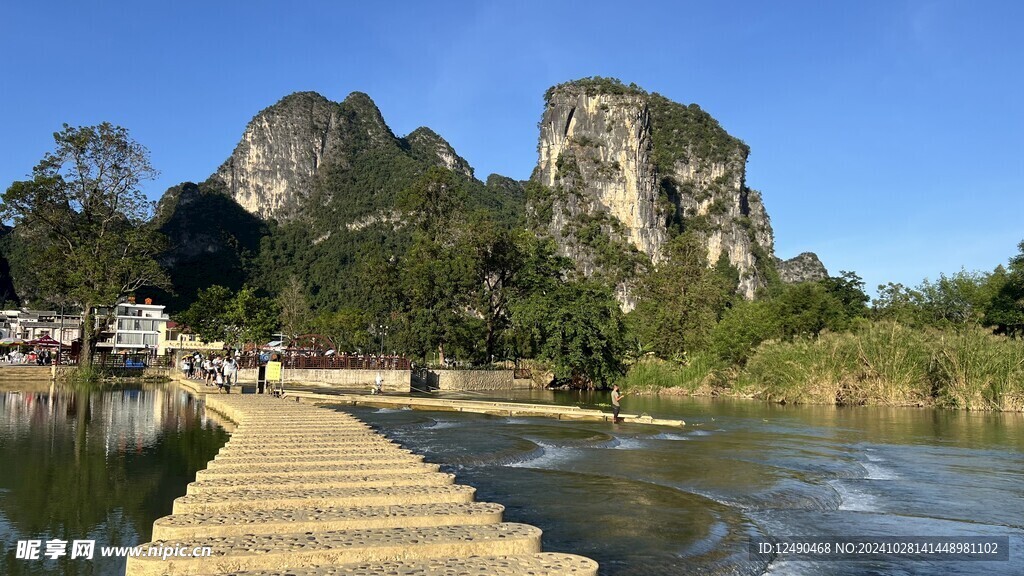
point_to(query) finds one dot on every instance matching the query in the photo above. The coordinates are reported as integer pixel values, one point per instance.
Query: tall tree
(1005, 310)
(88, 220)
(296, 315)
(680, 300)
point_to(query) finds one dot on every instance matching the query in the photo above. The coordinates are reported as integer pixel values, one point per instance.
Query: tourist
(230, 370)
(378, 384)
(616, 398)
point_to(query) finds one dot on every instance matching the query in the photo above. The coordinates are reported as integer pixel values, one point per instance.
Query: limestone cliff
(805, 267)
(293, 154)
(647, 168)
(280, 152)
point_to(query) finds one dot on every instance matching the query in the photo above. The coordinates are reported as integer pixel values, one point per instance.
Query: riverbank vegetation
(950, 343)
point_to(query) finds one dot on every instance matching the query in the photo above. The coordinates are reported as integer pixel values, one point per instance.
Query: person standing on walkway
(616, 398)
(230, 368)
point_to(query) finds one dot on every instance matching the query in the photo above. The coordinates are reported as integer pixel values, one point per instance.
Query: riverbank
(874, 365)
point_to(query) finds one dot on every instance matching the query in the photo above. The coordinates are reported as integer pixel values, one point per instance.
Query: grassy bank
(874, 364)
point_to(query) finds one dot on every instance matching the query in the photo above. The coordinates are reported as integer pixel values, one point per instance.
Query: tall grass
(889, 364)
(974, 370)
(701, 373)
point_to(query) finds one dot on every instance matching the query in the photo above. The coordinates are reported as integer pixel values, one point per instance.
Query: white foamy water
(876, 471)
(854, 498)
(548, 457)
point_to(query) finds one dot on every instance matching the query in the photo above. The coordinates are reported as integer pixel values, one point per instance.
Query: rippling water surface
(647, 501)
(94, 466)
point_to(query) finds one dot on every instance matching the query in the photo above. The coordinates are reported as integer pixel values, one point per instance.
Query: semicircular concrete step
(263, 499)
(539, 564)
(279, 483)
(283, 520)
(326, 548)
(259, 473)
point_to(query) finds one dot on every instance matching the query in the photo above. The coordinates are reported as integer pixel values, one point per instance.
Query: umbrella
(46, 342)
(11, 342)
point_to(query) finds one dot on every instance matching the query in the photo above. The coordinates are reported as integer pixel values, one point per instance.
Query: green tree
(896, 302)
(743, 326)
(348, 328)
(1005, 310)
(848, 288)
(808, 308)
(957, 300)
(250, 318)
(575, 327)
(296, 315)
(206, 316)
(433, 201)
(87, 221)
(218, 315)
(680, 300)
(495, 260)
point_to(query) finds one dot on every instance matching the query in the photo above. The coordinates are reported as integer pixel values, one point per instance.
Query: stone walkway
(304, 491)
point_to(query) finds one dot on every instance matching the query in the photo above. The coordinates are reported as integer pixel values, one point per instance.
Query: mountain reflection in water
(99, 465)
(647, 501)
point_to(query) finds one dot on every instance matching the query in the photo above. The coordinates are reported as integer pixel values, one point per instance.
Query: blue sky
(887, 136)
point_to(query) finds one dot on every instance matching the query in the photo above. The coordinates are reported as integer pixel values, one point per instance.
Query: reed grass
(890, 364)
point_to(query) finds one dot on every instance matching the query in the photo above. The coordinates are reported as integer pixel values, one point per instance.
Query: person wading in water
(616, 398)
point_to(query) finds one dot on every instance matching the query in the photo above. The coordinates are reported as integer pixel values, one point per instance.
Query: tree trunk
(85, 352)
(489, 340)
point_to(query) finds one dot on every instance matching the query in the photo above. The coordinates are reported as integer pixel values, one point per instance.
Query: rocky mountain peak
(648, 168)
(279, 154)
(805, 267)
(425, 142)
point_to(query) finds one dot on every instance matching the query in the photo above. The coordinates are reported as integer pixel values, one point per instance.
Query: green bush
(700, 371)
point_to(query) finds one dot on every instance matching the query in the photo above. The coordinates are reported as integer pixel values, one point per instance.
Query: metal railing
(333, 362)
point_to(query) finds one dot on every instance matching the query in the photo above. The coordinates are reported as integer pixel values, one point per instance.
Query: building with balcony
(132, 327)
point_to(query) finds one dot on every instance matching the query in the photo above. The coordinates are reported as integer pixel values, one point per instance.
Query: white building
(134, 328)
(32, 324)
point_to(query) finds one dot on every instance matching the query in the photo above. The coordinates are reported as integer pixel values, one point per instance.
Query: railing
(334, 362)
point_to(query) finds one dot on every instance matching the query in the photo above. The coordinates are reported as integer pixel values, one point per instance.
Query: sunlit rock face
(655, 168)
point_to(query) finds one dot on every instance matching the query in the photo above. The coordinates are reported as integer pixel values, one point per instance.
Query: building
(32, 324)
(131, 327)
(177, 337)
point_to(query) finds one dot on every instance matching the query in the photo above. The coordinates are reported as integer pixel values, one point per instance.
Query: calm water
(649, 501)
(100, 466)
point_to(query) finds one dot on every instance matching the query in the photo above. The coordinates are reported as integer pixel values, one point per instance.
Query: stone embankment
(305, 491)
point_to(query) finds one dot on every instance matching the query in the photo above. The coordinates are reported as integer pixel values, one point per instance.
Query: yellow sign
(273, 371)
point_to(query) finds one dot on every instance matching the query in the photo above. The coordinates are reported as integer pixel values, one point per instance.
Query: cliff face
(287, 150)
(805, 267)
(280, 153)
(648, 167)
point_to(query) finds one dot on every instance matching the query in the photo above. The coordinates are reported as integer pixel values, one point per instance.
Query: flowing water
(98, 466)
(646, 500)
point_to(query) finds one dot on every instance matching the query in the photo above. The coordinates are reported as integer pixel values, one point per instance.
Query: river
(98, 466)
(650, 501)
(641, 500)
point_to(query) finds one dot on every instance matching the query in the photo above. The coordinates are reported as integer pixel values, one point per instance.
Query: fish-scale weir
(302, 490)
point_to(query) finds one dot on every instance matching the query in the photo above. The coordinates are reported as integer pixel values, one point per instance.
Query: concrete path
(306, 491)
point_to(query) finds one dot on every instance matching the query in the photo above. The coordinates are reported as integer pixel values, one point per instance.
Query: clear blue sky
(887, 136)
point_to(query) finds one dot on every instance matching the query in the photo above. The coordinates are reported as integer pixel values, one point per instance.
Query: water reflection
(99, 465)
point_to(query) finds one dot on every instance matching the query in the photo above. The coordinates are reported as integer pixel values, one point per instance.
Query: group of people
(37, 357)
(213, 370)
